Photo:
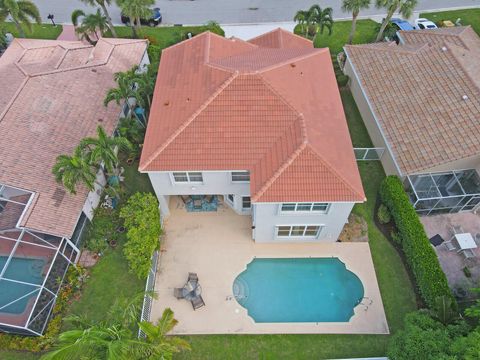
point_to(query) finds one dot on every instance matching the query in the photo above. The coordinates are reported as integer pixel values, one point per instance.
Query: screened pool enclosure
(32, 267)
(444, 192)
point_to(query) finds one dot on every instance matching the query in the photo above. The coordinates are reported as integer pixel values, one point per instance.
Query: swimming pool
(20, 269)
(298, 290)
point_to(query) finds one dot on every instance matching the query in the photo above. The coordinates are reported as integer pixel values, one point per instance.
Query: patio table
(465, 241)
(192, 290)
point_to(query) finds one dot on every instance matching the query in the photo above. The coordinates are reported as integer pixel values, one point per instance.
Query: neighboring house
(51, 97)
(420, 100)
(259, 124)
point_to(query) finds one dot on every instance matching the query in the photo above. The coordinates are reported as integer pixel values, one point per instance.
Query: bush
(142, 221)
(383, 215)
(342, 80)
(102, 230)
(467, 272)
(422, 259)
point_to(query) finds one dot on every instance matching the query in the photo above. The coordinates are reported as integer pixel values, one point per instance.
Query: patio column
(163, 201)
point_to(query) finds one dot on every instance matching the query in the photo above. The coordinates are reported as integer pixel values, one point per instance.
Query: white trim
(304, 212)
(278, 237)
(187, 173)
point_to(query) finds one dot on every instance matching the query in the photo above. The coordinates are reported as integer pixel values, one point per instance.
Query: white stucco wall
(93, 198)
(266, 216)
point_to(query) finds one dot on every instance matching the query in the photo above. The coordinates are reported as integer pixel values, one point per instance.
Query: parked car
(423, 23)
(401, 24)
(154, 20)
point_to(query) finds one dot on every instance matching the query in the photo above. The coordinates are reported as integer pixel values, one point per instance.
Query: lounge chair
(192, 277)
(178, 293)
(197, 302)
(457, 229)
(450, 245)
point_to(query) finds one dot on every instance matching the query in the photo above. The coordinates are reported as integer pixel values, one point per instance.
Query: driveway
(218, 246)
(229, 11)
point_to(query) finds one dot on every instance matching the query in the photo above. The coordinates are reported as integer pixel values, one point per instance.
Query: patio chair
(197, 204)
(457, 229)
(468, 253)
(192, 277)
(197, 302)
(178, 293)
(208, 198)
(450, 245)
(477, 239)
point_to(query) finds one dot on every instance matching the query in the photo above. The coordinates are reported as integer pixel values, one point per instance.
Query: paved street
(231, 11)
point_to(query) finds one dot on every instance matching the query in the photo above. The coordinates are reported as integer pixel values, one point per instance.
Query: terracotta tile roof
(53, 99)
(273, 111)
(416, 90)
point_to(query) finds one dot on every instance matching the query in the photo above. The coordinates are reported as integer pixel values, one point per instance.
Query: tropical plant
(444, 310)
(315, 19)
(89, 24)
(389, 32)
(404, 7)
(104, 149)
(302, 18)
(136, 10)
(3, 38)
(75, 169)
(142, 221)
(354, 6)
(155, 335)
(22, 12)
(383, 215)
(103, 4)
(474, 310)
(124, 92)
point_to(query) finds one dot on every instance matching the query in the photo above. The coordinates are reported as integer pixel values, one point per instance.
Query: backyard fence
(364, 154)
(149, 288)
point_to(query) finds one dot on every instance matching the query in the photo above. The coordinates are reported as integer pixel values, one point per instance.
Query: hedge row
(421, 257)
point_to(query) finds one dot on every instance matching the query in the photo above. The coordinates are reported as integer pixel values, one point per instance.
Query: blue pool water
(27, 270)
(298, 290)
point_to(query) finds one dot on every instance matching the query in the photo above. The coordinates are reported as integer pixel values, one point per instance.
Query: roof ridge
(279, 171)
(333, 170)
(316, 51)
(189, 120)
(389, 48)
(14, 97)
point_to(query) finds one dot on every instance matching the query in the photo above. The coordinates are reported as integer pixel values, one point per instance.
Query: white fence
(149, 288)
(364, 154)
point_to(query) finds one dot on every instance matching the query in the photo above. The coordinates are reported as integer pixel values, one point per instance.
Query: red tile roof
(53, 99)
(270, 106)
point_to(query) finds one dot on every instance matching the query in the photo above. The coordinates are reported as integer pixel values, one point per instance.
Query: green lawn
(42, 31)
(365, 33)
(397, 291)
(467, 16)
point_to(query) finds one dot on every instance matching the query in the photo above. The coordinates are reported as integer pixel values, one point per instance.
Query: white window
(240, 176)
(305, 207)
(305, 231)
(246, 203)
(185, 177)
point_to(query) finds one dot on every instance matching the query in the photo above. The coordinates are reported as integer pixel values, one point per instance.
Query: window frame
(239, 173)
(249, 201)
(188, 176)
(296, 205)
(295, 227)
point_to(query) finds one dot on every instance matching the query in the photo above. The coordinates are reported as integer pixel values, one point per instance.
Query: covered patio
(217, 246)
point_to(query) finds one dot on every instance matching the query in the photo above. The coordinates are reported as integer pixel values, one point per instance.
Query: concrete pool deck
(218, 246)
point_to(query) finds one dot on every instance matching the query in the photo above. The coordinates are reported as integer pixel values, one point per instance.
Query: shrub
(101, 230)
(422, 259)
(142, 221)
(342, 80)
(383, 215)
(467, 272)
(396, 237)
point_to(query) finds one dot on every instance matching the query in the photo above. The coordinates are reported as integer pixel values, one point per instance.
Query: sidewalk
(68, 33)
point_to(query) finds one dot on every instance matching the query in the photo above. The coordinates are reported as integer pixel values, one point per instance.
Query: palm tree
(89, 24)
(404, 7)
(321, 18)
(104, 149)
(354, 6)
(21, 12)
(163, 347)
(124, 91)
(136, 10)
(301, 17)
(103, 4)
(75, 169)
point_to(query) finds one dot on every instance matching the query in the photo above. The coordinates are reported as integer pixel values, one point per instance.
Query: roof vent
(444, 48)
(465, 97)
(293, 65)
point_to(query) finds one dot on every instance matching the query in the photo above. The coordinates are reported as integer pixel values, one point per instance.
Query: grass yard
(397, 291)
(341, 29)
(42, 31)
(467, 16)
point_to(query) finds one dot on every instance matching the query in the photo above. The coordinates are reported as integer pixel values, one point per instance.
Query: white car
(423, 23)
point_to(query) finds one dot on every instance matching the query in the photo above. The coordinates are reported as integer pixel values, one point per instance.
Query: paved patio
(452, 262)
(218, 246)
